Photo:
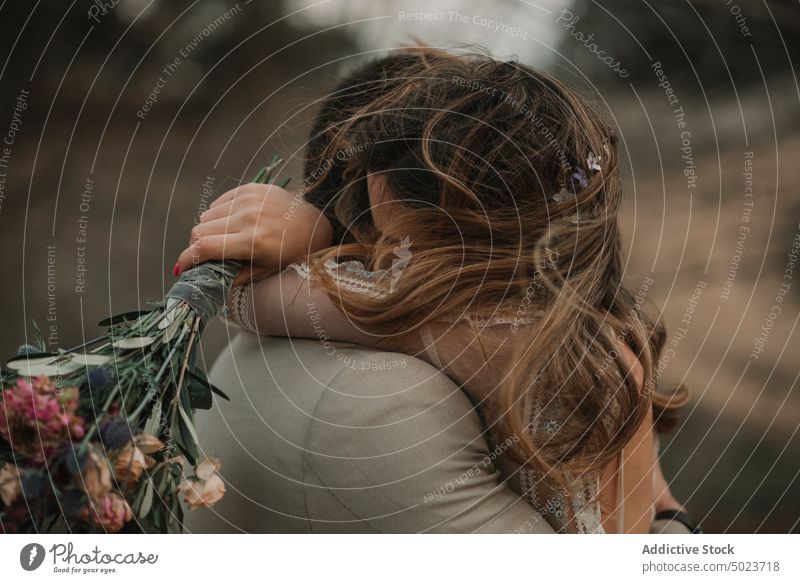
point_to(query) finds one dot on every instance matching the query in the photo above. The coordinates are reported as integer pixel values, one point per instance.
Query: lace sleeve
(471, 349)
(291, 303)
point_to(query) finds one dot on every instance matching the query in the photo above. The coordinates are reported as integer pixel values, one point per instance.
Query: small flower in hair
(579, 180)
(593, 162)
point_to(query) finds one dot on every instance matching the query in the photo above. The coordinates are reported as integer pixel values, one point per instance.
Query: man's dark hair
(355, 90)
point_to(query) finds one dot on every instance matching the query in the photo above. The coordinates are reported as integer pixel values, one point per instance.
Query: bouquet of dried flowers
(101, 437)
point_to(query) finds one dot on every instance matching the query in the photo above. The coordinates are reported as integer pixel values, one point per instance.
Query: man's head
(356, 90)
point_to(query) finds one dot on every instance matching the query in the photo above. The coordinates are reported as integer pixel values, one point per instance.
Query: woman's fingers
(261, 223)
(230, 246)
(217, 212)
(221, 226)
(257, 190)
(230, 195)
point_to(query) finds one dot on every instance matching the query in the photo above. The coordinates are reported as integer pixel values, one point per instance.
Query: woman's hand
(262, 224)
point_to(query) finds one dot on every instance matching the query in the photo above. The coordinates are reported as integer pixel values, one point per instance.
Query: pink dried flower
(110, 512)
(36, 417)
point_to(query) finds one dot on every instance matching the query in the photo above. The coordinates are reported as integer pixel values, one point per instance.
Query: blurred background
(117, 119)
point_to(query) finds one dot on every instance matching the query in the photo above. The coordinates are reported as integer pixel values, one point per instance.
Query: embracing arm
(291, 304)
(270, 228)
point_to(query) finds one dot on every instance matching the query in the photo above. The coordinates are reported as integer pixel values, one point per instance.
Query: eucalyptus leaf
(199, 377)
(137, 501)
(175, 519)
(91, 359)
(50, 370)
(153, 423)
(188, 423)
(162, 482)
(134, 342)
(167, 319)
(20, 363)
(175, 310)
(190, 455)
(125, 317)
(219, 393)
(156, 516)
(185, 437)
(171, 330)
(199, 390)
(34, 356)
(199, 394)
(147, 500)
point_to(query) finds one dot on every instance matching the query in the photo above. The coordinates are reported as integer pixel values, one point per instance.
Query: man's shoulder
(389, 385)
(351, 440)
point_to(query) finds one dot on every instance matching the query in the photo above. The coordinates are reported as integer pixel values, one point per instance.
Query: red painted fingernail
(176, 271)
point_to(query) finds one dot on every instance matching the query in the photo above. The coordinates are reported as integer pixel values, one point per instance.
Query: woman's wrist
(319, 228)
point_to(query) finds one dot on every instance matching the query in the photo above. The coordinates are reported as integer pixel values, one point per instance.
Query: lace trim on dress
(552, 504)
(238, 314)
(352, 276)
(349, 275)
(482, 321)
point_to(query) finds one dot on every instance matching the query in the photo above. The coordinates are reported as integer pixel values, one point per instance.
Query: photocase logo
(31, 556)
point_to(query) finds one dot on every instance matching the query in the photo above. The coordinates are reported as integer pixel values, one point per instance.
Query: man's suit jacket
(322, 438)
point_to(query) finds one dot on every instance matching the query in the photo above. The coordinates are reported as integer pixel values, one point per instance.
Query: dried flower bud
(206, 489)
(9, 484)
(129, 463)
(148, 443)
(96, 475)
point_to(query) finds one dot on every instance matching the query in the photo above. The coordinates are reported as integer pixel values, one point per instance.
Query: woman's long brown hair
(496, 166)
